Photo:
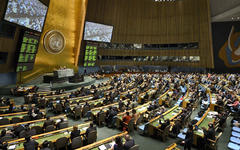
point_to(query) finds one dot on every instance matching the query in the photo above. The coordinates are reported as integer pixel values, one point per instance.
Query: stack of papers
(209, 116)
(102, 147)
(12, 147)
(85, 128)
(199, 130)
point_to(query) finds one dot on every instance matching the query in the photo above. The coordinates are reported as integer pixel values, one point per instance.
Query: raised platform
(5, 90)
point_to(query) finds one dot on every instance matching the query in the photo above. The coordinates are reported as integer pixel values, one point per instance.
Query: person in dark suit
(128, 143)
(45, 146)
(17, 129)
(120, 105)
(59, 123)
(11, 109)
(210, 133)
(30, 144)
(47, 122)
(75, 132)
(90, 129)
(189, 138)
(165, 124)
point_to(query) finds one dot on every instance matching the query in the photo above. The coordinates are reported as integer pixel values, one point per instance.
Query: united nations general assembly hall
(119, 74)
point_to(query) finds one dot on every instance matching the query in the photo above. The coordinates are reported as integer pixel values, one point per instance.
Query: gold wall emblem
(54, 42)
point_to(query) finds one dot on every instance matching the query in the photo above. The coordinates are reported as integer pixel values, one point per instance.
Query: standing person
(135, 116)
(126, 119)
(189, 138)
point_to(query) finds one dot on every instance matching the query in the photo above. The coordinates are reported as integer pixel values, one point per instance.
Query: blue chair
(236, 134)
(235, 140)
(236, 129)
(233, 146)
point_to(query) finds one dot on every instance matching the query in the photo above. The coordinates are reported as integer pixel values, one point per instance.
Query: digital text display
(21, 67)
(90, 56)
(28, 51)
(29, 43)
(26, 58)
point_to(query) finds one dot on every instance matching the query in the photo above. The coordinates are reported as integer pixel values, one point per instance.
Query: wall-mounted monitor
(28, 13)
(97, 32)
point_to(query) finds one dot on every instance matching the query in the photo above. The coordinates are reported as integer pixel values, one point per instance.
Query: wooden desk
(19, 114)
(203, 122)
(95, 111)
(17, 107)
(92, 102)
(139, 109)
(32, 123)
(170, 114)
(162, 98)
(50, 136)
(94, 146)
(132, 91)
(150, 93)
(172, 147)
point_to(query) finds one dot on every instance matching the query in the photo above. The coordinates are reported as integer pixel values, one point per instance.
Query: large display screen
(27, 13)
(97, 32)
(24, 67)
(90, 56)
(27, 51)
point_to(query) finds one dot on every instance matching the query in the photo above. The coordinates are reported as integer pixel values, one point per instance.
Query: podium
(63, 75)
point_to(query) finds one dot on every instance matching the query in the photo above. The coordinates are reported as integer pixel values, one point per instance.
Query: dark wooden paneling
(150, 22)
(8, 44)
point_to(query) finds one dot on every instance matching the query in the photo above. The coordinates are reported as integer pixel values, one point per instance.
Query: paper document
(102, 147)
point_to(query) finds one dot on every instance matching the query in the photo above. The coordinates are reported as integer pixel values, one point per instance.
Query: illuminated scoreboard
(29, 43)
(28, 51)
(90, 56)
(24, 67)
(26, 58)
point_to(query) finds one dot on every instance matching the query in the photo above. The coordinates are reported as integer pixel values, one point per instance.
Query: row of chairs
(5, 121)
(35, 130)
(77, 142)
(234, 143)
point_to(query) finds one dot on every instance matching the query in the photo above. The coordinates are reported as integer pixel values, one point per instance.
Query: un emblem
(54, 42)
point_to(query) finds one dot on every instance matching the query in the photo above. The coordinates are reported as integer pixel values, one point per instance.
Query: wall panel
(150, 22)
